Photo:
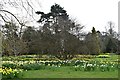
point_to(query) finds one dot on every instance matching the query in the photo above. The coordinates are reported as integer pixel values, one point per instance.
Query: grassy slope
(65, 72)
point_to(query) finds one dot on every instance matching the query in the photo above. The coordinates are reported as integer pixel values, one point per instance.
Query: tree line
(58, 35)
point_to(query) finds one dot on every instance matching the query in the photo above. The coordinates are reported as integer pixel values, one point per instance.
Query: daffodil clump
(96, 66)
(10, 73)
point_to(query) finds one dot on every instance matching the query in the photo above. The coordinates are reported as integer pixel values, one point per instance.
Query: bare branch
(4, 19)
(12, 15)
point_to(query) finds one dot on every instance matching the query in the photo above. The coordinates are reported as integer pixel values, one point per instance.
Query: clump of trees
(57, 35)
(12, 44)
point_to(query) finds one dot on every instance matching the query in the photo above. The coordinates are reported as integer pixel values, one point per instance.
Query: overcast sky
(88, 12)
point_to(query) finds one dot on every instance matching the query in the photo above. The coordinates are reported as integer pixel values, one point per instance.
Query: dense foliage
(58, 35)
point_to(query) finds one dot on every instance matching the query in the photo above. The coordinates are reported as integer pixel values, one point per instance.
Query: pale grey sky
(88, 12)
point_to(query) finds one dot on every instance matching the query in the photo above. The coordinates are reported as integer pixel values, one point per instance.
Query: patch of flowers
(77, 65)
(13, 68)
(95, 65)
(10, 73)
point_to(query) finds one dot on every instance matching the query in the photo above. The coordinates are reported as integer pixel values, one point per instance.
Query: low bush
(32, 66)
(9, 65)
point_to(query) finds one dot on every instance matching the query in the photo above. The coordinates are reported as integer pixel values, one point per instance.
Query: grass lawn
(70, 71)
(66, 72)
